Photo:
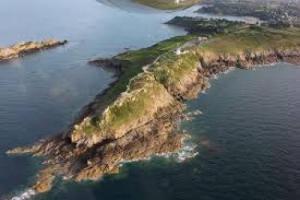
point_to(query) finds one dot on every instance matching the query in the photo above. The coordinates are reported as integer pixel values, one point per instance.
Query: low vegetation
(254, 38)
(132, 63)
(204, 26)
(172, 68)
(144, 94)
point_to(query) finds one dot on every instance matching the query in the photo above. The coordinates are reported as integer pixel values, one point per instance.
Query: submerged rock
(20, 49)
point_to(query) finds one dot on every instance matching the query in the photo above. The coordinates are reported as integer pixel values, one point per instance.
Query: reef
(23, 48)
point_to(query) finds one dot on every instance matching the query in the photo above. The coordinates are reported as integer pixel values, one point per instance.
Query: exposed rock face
(143, 120)
(141, 103)
(247, 60)
(91, 163)
(23, 48)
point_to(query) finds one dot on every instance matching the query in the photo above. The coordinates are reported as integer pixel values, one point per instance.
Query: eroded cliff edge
(138, 115)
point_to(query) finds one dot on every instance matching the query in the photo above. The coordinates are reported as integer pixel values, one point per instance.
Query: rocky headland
(138, 115)
(23, 48)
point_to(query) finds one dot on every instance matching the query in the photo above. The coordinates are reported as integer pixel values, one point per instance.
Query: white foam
(215, 76)
(207, 87)
(187, 152)
(265, 65)
(27, 194)
(230, 69)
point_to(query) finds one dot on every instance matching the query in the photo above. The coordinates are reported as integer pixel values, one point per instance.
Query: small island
(137, 116)
(23, 48)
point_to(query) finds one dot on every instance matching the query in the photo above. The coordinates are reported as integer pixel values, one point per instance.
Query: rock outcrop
(80, 162)
(20, 49)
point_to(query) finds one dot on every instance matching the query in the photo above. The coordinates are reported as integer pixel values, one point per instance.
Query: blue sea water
(248, 146)
(247, 138)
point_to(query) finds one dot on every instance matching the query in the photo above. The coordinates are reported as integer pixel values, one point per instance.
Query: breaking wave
(27, 194)
(187, 152)
(230, 69)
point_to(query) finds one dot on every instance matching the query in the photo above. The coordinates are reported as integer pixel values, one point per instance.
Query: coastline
(25, 48)
(84, 157)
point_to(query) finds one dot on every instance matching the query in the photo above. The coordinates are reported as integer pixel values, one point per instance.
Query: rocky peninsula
(23, 48)
(138, 115)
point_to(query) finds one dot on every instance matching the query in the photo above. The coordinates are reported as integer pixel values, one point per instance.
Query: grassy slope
(255, 39)
(141, 101)
(171, 69)
(132, 65)
(133, 61)
(167, 4)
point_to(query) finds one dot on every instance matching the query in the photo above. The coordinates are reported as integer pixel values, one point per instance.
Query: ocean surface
(247, 138)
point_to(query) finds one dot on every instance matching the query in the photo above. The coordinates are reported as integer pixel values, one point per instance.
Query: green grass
(253, 39)
(171, 68)
(141, 101)
(167, 4)
(133, 62)
(205, 27)
(132, 65)
(143, 98)
(146, 93)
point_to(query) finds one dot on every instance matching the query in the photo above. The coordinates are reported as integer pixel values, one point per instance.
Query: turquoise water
(247, 138)
(248, 144)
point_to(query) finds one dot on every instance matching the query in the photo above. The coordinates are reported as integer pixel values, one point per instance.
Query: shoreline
(24, 48)
(174, 118)
(180, 74)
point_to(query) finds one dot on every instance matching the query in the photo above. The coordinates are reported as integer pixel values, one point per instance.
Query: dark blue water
(248, 142)
(247, 139)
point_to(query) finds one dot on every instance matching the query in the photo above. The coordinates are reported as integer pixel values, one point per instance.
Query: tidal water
(247, 137)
